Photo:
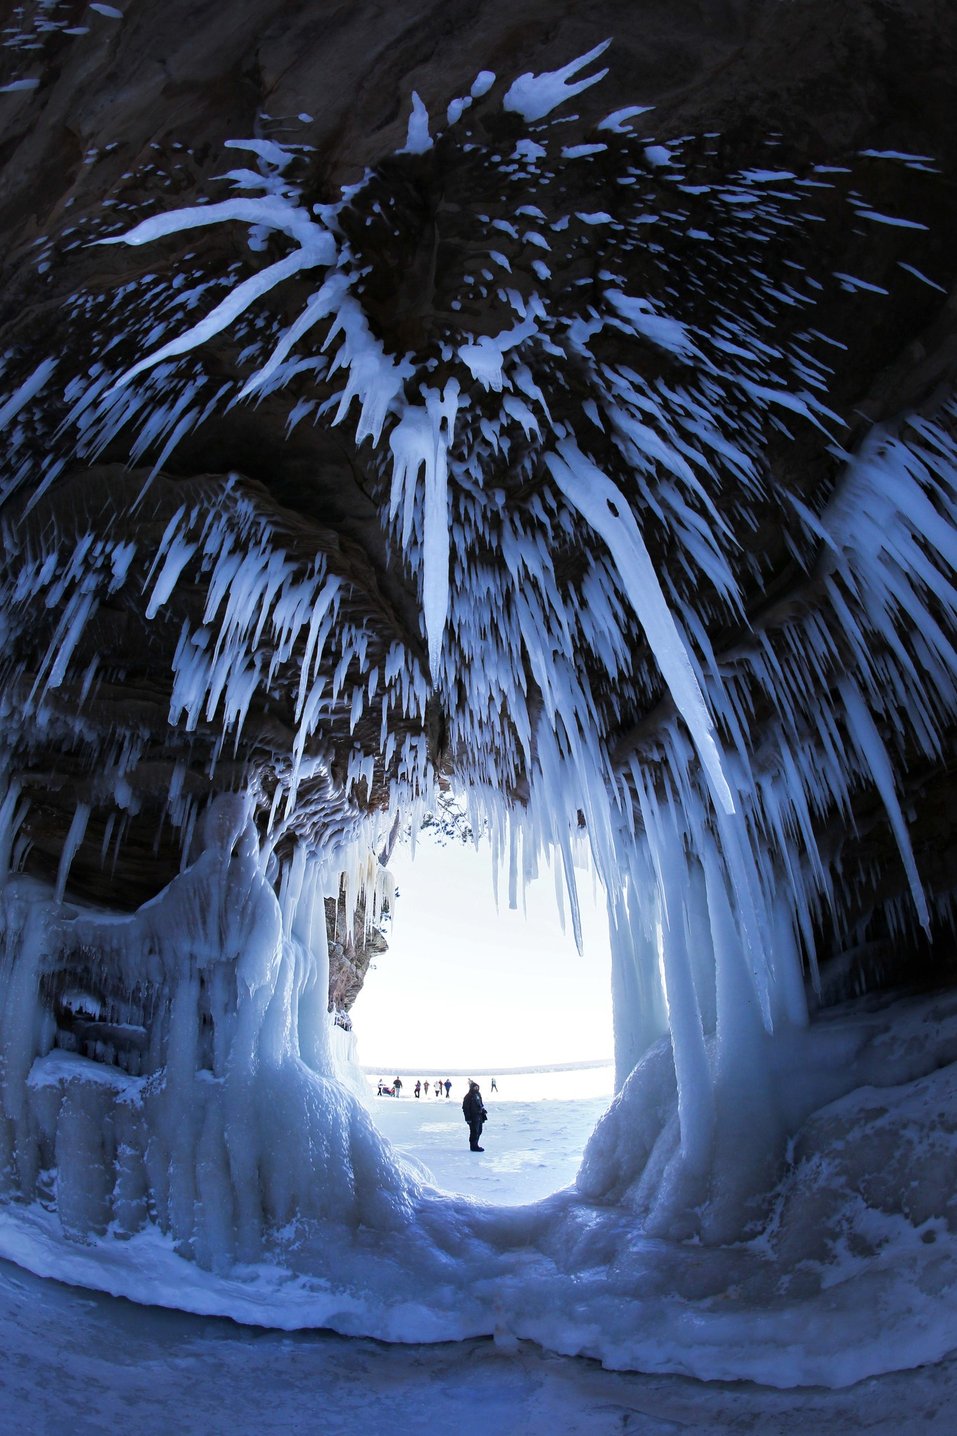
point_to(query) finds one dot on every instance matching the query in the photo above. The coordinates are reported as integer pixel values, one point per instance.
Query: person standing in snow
(438, 1086)
(475, 1114)
(448, 1087)
(397, 1086)
(418, 1087)
(425, 1086)
(494, 1085)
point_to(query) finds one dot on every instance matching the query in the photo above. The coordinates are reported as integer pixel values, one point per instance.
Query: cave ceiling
(742, 208)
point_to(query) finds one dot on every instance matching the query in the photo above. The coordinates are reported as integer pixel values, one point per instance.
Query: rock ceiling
(746, 209)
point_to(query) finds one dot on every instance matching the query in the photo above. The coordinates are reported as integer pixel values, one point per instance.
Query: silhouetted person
(418, 1087)
(475, 1115)
(448, 1087)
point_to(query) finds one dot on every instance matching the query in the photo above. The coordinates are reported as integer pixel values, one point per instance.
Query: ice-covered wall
(608, 469)
(177, 1066)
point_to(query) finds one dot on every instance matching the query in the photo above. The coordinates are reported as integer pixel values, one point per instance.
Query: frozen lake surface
(533, 1140)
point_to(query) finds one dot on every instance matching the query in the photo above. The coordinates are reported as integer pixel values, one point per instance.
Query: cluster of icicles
(707, 847)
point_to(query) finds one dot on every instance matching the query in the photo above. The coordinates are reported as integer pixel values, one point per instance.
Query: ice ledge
(58, 1068)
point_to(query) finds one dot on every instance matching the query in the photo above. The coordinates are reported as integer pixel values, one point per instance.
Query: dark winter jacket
(472, 1106)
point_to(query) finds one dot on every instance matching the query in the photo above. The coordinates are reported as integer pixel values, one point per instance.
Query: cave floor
(85, 1363)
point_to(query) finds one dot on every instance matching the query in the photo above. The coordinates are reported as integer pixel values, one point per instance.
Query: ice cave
(551, 402)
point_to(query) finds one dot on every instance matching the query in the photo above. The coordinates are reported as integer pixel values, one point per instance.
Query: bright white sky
(465, 986)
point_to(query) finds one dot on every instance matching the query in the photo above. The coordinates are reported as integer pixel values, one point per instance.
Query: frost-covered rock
(595, 456)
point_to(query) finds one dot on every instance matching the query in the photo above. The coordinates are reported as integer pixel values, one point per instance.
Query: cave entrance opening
(470, 988)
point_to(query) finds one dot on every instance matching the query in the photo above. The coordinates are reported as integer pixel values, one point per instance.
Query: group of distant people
(438, 1087)
(421, 1087)
(473, 1108)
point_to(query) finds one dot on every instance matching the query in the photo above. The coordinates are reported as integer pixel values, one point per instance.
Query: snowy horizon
(469, 981)
(600, 1062)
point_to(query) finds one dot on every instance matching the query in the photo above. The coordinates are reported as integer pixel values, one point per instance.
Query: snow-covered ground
(849, 1274)
(534, 1138)
(86, 1363)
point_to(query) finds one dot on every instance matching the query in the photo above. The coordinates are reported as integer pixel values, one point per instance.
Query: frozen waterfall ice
(563, 490)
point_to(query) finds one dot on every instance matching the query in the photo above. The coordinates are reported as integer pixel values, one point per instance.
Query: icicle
(435, 544)
(867, 740)
(12, 813)
(695, 1096)
(606, 509)
(639, 1010)
(418, 139)
(26, 391)
(72, 841)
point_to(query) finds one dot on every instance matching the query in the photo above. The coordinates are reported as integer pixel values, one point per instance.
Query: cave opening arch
(597, 525)
(470, 988)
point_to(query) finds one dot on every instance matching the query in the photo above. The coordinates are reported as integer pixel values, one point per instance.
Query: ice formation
(566, 428)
